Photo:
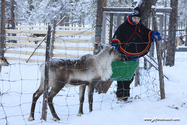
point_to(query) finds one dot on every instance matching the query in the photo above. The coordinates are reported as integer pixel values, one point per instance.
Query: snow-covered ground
(20, 80)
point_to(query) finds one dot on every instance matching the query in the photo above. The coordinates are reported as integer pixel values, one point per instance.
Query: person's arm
(149, 35)
(115, 41)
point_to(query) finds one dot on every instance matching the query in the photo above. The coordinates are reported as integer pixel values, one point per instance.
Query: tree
(22, 10)
(31, 7)
(145, 6)
(12, 14)
(2, 30)
(12, 17)
(170, 57)
(98, 28)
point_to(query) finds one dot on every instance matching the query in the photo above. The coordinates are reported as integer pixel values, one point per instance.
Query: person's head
(136, 15)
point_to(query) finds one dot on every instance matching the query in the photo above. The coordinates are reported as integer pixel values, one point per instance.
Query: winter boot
(123, 89)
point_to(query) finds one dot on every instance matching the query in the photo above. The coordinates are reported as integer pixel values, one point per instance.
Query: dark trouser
(123, 88)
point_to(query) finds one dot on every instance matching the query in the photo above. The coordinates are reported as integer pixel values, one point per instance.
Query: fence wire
(19, 80)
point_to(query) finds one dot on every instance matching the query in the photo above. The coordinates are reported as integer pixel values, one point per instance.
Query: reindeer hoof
(56, 119)
(79, 114)
(30, 118)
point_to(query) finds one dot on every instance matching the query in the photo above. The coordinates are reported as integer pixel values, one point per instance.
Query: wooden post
(145, 61)
(161, 32)
(161, 25)
(103, 35)
(161, 76)
(53, 38)
(111, 27)
(118, 20)
(165, 18)
(46, 79)
(186, 37)
(151, 52)
(137, 76)
(125, 17)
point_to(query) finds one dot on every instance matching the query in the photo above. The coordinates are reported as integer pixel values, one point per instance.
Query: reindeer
(85, 71)
(179, 41)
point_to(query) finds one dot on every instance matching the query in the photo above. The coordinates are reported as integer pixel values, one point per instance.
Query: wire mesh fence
(19, 80)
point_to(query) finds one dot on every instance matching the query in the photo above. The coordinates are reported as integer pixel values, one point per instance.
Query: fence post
(151, 52)
(186, 37)
(158, 45)
(53, 39)
(103, 35)
(46, 79)
(165, 20)
(137, 76)
(111, 27)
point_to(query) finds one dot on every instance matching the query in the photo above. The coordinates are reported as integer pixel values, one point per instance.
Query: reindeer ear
(102, 46)
(112, 48)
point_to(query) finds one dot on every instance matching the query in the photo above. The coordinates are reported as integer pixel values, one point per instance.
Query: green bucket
(123, 70)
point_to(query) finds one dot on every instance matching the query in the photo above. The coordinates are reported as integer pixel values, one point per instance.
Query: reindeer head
(110, 51)
(114, 53)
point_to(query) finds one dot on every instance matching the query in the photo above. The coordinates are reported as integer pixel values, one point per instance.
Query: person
(133, 40)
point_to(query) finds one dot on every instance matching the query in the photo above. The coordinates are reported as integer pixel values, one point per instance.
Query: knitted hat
(137, 12)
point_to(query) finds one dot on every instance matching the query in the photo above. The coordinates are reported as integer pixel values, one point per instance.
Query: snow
(19, 81)
(138, 2)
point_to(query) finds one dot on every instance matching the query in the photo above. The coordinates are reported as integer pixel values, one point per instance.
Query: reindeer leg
(52, 93)
(90, 94)
(35, 97)
(81, 99)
